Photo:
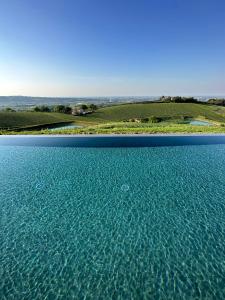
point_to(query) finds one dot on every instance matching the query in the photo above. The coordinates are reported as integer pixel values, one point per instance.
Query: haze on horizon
(108, 48)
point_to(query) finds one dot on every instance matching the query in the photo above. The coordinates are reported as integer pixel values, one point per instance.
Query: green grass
(109, 119)
(16, 120)
(133, 128)
(171, 110)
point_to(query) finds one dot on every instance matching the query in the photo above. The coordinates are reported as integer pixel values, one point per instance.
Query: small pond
(65, 127)
(200, 123)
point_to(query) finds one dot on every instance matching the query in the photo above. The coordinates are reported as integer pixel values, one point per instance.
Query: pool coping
(113, 135)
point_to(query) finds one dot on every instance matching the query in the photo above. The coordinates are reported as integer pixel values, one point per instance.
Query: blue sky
(106, 48)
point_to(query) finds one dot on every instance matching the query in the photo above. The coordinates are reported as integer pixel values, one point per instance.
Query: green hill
(16, 120)
(171, 110)
(116, 113)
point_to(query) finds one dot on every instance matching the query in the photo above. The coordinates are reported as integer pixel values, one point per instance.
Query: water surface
(112, 223)
(200, 123)
(64, 127)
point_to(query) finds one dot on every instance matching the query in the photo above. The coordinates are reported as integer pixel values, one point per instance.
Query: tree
(68, 110)
(9, 109)
(216, 101)
(59, 108)
(44, 108)
(84, 106)
(93, 107)
(37, 109)
(178, 99)
(165, 99)
(63, 109)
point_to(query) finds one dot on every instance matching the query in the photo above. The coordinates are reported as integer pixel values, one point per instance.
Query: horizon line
(119, 96)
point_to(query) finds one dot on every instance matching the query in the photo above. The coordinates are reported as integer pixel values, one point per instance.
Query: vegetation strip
(164, 116)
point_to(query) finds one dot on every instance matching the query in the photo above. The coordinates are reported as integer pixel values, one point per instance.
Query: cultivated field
(114, 119)
(171, 110)
(17, 120)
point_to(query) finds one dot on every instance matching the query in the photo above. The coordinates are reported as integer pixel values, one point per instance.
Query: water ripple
(140, 223)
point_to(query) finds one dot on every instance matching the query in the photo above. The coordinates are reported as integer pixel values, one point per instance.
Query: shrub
(144, 120)
(9, 109)
(37, 109)
(84, 106)
(154, 119)
(42, 108)
(68, 110)
(63, 109)
(93, 107)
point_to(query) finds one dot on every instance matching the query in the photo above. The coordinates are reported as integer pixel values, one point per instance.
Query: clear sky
(112, 47)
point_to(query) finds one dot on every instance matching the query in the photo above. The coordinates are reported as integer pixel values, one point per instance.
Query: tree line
(217, 101)
(65, 109)
(178, 99)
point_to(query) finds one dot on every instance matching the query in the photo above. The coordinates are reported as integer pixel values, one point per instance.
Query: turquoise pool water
(112, 223)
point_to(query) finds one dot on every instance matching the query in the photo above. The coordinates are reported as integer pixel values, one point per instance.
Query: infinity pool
(112, 223)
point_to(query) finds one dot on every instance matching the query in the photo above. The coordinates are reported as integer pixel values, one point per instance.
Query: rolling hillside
(171, 110)
(15, 120)
(116, 113)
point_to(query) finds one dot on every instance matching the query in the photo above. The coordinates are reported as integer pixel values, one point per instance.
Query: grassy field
(16, 120)
(112, 119)
(171, 110)
(131, 128)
